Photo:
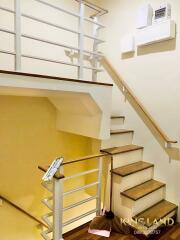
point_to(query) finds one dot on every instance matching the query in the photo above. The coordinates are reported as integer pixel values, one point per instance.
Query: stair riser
(134, 179)
(144, 202)
(119, 160)
(117, 140)
(126, 158)
(117, 123)
(121, 184)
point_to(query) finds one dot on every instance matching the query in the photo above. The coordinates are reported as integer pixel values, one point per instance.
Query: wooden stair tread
(142, 190)
(121, 131)
(156, 212)
(121, 149)
(131, 168)
(117, 116)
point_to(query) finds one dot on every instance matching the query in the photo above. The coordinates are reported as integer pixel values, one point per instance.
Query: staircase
(138, 198)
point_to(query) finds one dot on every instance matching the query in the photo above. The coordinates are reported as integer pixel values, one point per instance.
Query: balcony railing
(80, 49)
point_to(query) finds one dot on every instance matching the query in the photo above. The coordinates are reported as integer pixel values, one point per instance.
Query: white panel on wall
(144, 17)
(127, 44)
(156, 33)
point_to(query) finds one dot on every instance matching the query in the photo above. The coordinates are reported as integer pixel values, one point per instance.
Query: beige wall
(29, 138)
(15, 225)
(153, 73)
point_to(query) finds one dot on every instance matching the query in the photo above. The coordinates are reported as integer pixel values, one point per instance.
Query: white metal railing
(54, 218)
(80, 50)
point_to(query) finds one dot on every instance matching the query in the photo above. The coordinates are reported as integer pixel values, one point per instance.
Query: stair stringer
(126, 208)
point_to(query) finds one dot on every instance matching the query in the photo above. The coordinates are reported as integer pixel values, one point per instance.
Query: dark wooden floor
(82, 234)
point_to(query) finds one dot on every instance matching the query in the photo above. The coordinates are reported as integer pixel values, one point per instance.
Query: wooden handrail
(127, 91)
(80, 159)
(23, 211)
(85, 158)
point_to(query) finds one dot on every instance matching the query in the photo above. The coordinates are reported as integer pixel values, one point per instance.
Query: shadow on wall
(128, 55)
(169, 45)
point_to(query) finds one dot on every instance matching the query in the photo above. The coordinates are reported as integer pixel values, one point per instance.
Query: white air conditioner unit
(162, 13)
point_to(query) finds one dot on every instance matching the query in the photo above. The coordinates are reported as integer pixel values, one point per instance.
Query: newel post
(57, 209)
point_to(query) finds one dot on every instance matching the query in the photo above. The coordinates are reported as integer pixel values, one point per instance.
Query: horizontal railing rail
(23, 211)
(80, 203)
(82, 174)
(85, 158)
(127, 91)
(58, 8)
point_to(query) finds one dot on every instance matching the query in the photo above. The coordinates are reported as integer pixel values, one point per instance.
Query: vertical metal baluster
(98, 201)
(17, 21)
(81, 39)
(95, 49)
(57, 209)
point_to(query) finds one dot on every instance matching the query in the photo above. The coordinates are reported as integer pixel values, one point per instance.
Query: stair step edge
(148, 225)
(141, 168)
(122, 149)
(129, 195)
(121, 131)
(117, 116)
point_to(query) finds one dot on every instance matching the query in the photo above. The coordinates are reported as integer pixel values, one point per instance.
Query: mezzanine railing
(80, 49)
